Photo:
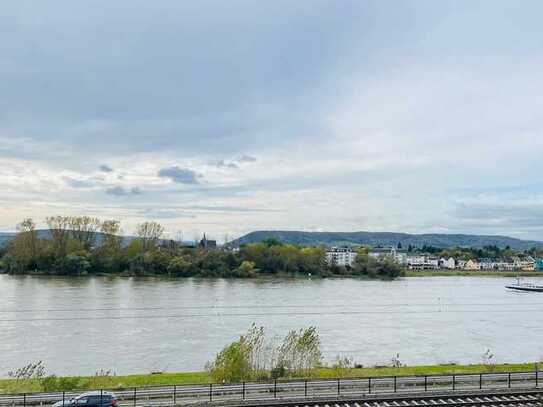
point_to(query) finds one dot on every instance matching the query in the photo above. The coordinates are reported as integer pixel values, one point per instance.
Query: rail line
(298, 389)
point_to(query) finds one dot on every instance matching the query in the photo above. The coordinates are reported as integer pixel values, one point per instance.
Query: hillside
(5, 238)
(386, 239)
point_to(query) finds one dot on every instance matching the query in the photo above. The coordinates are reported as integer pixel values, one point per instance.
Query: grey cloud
(122, 191)
(230, 93)
(362, 71)
(226, 164)
(246, 159)
(105, 168)
(78, 183)
(235, 163)
(179, 175)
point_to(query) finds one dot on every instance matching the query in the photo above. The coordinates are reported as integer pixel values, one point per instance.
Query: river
(139, 325)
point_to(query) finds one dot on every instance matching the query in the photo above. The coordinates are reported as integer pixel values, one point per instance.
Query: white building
(449, 263)
(398, 255)
(496, 264)
(525, 264)
(489, 264)
(340, 256)
(422, 262)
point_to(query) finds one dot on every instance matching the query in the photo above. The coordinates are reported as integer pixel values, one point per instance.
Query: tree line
(472, 253)
(80, 245)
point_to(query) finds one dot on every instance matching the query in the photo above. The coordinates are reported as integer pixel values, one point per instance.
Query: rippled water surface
(80, 325)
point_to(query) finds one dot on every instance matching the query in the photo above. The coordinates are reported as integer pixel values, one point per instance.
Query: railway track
(297, 390)
(530, 398)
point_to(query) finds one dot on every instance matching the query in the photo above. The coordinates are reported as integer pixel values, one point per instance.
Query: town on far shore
(419, 260)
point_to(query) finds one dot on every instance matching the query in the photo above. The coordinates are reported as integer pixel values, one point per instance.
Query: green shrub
(53, 383)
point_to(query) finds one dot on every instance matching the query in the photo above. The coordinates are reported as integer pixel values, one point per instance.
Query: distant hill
(386, 239)
(5, 238)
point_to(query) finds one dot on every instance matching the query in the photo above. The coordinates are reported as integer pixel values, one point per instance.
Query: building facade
(449, 263)
(422, 262)
(398, 255)
(472, 265)
(340, 256)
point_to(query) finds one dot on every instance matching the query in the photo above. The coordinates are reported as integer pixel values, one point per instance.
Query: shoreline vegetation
(16, 386)
(81, 245)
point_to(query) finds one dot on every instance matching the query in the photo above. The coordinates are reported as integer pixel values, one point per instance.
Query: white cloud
(395, 125)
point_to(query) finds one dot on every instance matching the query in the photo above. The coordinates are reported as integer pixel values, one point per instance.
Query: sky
(225, 117)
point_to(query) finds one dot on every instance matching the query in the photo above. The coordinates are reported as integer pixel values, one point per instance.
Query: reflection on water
(131, 325)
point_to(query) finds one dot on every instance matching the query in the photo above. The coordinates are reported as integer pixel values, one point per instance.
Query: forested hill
(386, 239)
(5, 238)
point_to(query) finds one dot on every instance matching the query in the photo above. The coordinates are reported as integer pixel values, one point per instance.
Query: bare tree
(179, 237)
(26, 241)
(149, 234)
(112, 240)
(31, 371)
(300, 352)
(59, 228)
(84, 229)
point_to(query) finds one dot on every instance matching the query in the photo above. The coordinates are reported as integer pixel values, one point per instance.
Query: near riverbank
(11, 386)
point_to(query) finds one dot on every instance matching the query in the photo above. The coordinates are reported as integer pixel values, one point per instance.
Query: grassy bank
(8, 386)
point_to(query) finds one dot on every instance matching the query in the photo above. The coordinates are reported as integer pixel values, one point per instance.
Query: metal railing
(212, 392)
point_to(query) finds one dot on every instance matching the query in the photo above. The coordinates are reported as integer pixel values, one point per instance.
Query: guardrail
(279, 389)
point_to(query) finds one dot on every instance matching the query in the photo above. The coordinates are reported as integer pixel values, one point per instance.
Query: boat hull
(538, 289)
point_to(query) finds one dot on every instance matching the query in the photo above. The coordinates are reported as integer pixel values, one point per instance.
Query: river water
(139, 325)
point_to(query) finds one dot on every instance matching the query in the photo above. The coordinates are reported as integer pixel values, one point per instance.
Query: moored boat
(525, 287)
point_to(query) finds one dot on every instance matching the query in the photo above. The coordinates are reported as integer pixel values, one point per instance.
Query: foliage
(241, 360)
(342, 366)
(300, 352)
(179, 266)
(33, 370)
(253, 357)
(386, 268)
(79, 245)
(488, 360)
(11, 386)
(246, 269)
(149, 234)
(54, 383)
(231, 364)
(99, 377)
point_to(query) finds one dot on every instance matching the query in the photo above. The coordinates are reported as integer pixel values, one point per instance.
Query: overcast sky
(230, 116)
